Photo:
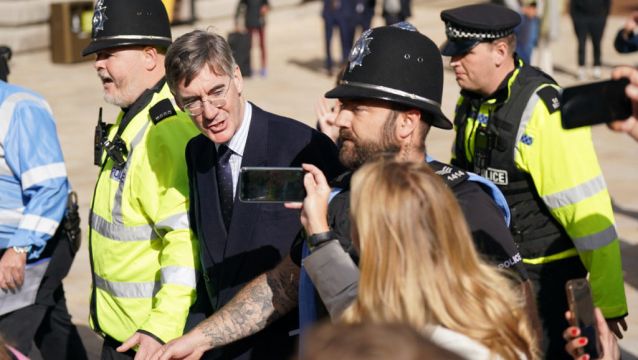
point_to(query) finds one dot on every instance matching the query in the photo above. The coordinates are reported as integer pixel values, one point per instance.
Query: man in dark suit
(239, 241)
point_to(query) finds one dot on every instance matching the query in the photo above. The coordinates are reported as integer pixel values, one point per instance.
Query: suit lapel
(244, 214)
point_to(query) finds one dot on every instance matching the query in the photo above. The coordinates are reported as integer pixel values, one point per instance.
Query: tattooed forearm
(262, 301)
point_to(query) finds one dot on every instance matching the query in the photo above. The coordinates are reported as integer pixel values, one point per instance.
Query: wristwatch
(316, 240)
(21, 249)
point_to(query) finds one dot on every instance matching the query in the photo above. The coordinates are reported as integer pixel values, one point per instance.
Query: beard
(355, 152)
(120, 93)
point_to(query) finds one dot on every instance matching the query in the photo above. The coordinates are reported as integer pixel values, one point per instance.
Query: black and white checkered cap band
(453, 32)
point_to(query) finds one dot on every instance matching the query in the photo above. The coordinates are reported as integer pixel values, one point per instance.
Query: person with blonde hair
(419, 266)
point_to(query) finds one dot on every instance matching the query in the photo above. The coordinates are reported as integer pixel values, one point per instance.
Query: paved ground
(294, 82)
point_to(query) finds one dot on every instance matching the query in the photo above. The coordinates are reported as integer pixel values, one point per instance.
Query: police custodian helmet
(467, 26)
(128, 22)
(398, 64)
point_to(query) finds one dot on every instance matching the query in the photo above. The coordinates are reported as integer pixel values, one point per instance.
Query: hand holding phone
(583, 317)
(595, 103)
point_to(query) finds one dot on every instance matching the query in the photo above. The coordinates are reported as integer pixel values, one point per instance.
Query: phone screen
(270, 184)
(595, 103)
(582, 307)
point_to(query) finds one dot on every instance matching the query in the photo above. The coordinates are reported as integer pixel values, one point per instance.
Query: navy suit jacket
(259, 235)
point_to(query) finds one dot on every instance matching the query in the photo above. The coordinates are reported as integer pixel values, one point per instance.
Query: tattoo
(262, 301)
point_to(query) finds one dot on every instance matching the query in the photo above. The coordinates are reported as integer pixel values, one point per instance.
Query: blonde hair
(418, 262)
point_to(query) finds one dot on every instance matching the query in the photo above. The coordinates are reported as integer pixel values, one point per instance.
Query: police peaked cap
(466, 26)
(128, 22)
(398, 64)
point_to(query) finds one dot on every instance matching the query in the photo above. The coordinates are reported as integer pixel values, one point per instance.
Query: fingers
(317, 175)
(129, 343)
(293, 205)
(622, 71)
(575, 347)
(18, 277)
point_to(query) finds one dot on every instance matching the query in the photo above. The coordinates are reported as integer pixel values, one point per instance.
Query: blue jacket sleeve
(34, 155)
(623, 45)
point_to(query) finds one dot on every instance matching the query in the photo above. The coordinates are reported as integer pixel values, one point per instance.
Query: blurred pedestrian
(589, 18)
(627, 38)
(364, 10)
(144, 258)
(508, 124)
(369, 341)
(39, 236)
(340, 14)
(549, 33)
(395, 11)
(254, 14)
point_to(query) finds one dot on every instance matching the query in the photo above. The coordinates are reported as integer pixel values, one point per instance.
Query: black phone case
(595, 103)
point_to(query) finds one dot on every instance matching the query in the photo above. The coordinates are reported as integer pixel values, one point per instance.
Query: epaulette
(161, 111)
(551, 97)
(450, 174)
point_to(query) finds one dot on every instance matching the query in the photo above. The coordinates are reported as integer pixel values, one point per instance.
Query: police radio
(101, 133)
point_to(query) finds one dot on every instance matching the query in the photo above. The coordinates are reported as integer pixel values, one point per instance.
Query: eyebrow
(217, 87)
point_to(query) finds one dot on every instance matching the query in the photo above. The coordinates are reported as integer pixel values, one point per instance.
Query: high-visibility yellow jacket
(144, 256)
(563, 174)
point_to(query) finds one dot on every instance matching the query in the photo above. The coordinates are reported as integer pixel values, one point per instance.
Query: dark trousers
(109, 353)
(589, 26)
(549, 285)
(391, 19)
(346, 34)
(47, 322)
(50, 327)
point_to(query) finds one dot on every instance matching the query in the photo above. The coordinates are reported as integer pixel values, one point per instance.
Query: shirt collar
(238, 142)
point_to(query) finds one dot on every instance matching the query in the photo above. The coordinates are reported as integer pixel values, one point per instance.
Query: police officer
(508, 125)
(143, 255)
(381, 112)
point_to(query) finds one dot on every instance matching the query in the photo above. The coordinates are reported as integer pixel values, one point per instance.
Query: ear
(150, 57)
(407, 123)
(500, 53)
(238, 80)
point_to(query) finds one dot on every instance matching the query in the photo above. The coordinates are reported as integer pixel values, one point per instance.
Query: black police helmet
(398, 64)
(129, 22)
(467, 26)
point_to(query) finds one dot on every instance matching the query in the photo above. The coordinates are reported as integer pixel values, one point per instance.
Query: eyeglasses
(196, 107)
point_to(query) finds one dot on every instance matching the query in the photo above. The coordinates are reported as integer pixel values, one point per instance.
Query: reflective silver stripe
(595, 241)
(144, 290)
(391, 91)
(132, 37)
(179, 275)
(575, 194)
(11, 217)
(178, 221)
(117, 204)
(121, 232)
(41, 173)
(39, 224)
(525, 117)
(8, 106)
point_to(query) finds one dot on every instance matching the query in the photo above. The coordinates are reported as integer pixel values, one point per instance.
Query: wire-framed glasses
(196, 107)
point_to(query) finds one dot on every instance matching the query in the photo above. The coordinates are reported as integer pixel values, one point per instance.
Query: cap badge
(404, 25)
(360, 49)
(99, 16)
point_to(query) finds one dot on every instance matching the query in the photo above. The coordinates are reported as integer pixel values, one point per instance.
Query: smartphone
(271, 184)
(582, 307)
(595, 103)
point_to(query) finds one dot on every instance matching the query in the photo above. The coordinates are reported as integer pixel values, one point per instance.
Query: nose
(99, 62)
(343, 119)
(208, 109)
(454, 60)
